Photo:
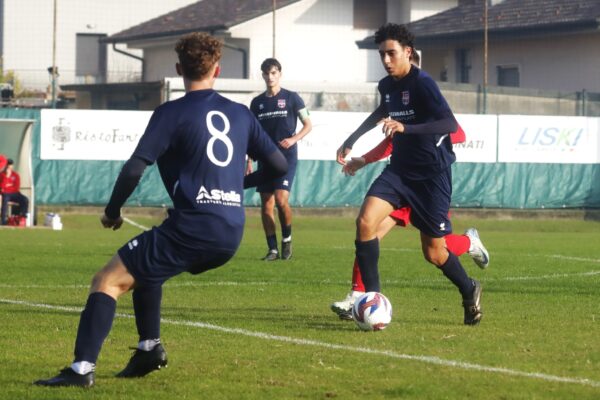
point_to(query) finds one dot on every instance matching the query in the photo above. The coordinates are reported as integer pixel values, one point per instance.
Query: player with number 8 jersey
(199, 142)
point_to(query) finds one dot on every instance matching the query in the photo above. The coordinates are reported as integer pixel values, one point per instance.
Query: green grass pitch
(256, 330)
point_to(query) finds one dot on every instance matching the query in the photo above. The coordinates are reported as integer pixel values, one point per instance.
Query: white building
(315, 40)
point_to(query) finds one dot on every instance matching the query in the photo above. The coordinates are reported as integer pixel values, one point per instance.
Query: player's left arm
(304, 117)
(303, 114)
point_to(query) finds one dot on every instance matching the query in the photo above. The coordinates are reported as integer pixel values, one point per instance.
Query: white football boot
(343, 308)
(477, 251)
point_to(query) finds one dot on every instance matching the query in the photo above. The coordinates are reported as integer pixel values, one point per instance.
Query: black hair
(394, 32)
(268, 64)
(414, 56)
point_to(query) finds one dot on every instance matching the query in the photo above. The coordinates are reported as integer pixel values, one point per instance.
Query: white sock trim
(147, 345)
(83, 367)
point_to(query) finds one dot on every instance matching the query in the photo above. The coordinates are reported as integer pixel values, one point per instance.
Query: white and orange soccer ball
(372, 311)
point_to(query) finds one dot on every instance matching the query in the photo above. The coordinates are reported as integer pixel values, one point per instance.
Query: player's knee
(364, 226)
(435, 256)
(98, 281)
(281, 204)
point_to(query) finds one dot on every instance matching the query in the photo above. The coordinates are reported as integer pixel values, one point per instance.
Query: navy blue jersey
(278, 115)
(416, 99)
(200, 142)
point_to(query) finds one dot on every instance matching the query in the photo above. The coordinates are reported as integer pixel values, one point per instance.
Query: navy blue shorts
(282, 183)
(155, 256)
(428, 199)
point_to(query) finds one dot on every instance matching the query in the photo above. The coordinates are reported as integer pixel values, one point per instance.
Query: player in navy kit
(416, 115)
(278, 111)
(199, 142)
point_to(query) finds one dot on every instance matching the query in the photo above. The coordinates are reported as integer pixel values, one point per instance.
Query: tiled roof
(507, 15)
(205, 15)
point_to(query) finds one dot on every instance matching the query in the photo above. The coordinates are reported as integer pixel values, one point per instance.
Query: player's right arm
(152, 144)
(369, 123)
(275, 166)
(126, 183)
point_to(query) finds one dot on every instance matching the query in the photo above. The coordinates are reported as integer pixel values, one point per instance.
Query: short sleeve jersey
(278, 115)
(416, 99)
(200, 142)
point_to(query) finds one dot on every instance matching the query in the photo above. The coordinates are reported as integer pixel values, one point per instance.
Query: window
(508, 75)
(369, 14)
(463, 65)
(90, 56)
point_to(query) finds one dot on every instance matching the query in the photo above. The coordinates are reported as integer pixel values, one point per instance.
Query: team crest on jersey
(405, 97)
(281, 103)
(261, 106)
(387, 97)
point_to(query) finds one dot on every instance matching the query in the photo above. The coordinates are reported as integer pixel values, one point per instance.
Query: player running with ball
(413, 112)
(469, 242)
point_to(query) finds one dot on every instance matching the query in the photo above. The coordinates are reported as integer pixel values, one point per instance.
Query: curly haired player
(199, 142)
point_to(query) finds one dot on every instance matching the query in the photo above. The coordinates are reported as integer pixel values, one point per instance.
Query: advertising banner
(482, 138)
(548, 139)
(330, 129)
(90, 134)
(113, 135)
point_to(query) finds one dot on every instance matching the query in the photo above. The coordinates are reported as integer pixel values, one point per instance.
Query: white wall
(27, 36)
(425, 8)
(315, 41)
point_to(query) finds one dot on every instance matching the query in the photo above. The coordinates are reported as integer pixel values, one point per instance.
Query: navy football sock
(146, 305)
(367, 255)
(272, 242)
(286, 232)
(454, 271)
(94, 326)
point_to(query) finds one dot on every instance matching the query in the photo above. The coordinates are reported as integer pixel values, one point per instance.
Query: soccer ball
(372, 311)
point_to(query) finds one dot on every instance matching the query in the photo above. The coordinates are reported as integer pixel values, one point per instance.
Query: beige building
(534, 44)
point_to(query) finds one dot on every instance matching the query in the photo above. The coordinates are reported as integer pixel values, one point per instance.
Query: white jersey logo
(218, 196)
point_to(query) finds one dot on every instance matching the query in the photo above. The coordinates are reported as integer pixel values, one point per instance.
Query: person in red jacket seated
(10, 185)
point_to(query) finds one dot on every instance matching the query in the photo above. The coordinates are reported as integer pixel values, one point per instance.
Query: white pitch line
(168, 285)
(337, 282)
(409, 250)
(551, 276)
(560, 257)
(131, 222)
(333, 346)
